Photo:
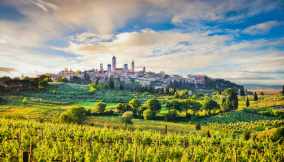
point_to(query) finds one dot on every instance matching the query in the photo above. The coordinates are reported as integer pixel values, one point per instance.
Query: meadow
(29, 129)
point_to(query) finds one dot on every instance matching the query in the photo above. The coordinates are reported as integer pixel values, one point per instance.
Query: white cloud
(261, 28)
(193, 50)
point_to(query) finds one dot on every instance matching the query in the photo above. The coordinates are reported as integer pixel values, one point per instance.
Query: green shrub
(153, 104)
(2, 100)
(210, 104)
(99, 107)
(148, 114)
(247, 135)
(122, 107)
(74, 115)
(127, 117)
(171, 115)
(92, 88)
(278, 134)
(25, 100)
(198, 126)
(134, 104)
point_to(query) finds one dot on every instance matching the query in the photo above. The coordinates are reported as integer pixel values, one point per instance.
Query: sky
(238, 40)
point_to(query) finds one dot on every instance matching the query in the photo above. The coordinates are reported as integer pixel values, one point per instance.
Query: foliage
(148, 114)
(122, 107)
(198, 126)
(182, 94)
(134, 104)
(25, 100)
(74, 115)
(127, 117)
(71, 142)
(210, 104)
(278, 134)
(99, 107)
(230, 102)
(153, 105)
(247, 102)
(242, 92)
(92, 88)
(255, 96)
(171, 115)
(2, 101)
(247, 135)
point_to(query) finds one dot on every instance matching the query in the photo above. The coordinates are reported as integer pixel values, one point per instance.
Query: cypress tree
(255, 97)
(247, 102)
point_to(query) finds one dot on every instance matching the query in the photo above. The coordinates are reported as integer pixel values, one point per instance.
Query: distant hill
(262, 86)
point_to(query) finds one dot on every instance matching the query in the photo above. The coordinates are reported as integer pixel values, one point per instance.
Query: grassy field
(47, 104)
(29, 126)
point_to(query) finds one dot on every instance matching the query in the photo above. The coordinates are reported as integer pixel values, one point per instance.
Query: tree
(122, 107)
(247, 102)
(171, 115)
(210, 104)
(255, 96)
(127, 117)
(153, 104)
(92, 88)
(283, 90)
(148, 114)
(74, 115)
(134, 104)
(99, 107)
(242, 92)
(25, 100)
(181, 94)
(225, 106)
(2, 101)
(43, 83)
(232, 101)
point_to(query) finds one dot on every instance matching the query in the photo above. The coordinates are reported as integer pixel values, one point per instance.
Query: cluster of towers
(112, 68)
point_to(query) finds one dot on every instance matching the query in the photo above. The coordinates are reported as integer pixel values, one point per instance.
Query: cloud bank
(220, 38)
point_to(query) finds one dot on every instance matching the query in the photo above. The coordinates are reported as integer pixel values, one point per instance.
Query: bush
(171, 115)
(202, 113)
(99, 107)
(92, 88)
(278, 134)
(153, 104)
(247, 135)
(148, 114)
(122, 107)
(127, 117)
(74, 115)
(2, 101)
(25, 100)
(210, 104)
(134, 104)
(198, 126)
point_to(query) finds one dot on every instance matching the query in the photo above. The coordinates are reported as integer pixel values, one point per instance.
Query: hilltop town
(132, 78)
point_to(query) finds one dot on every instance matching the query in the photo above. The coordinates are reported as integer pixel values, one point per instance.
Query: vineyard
(34, 141)
(30, 129)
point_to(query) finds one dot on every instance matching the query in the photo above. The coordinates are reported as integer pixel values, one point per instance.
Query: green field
(29, 125)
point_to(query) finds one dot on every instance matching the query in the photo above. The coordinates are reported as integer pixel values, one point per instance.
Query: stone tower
(132, 66)
(113, 63)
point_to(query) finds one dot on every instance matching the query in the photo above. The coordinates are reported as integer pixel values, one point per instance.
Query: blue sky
(239, 40)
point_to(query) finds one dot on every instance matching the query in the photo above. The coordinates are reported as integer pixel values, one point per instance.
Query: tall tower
(113, 63)
(125, 69)
(109, 68)
(101, 68)
(144, 69)
(132, 66)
